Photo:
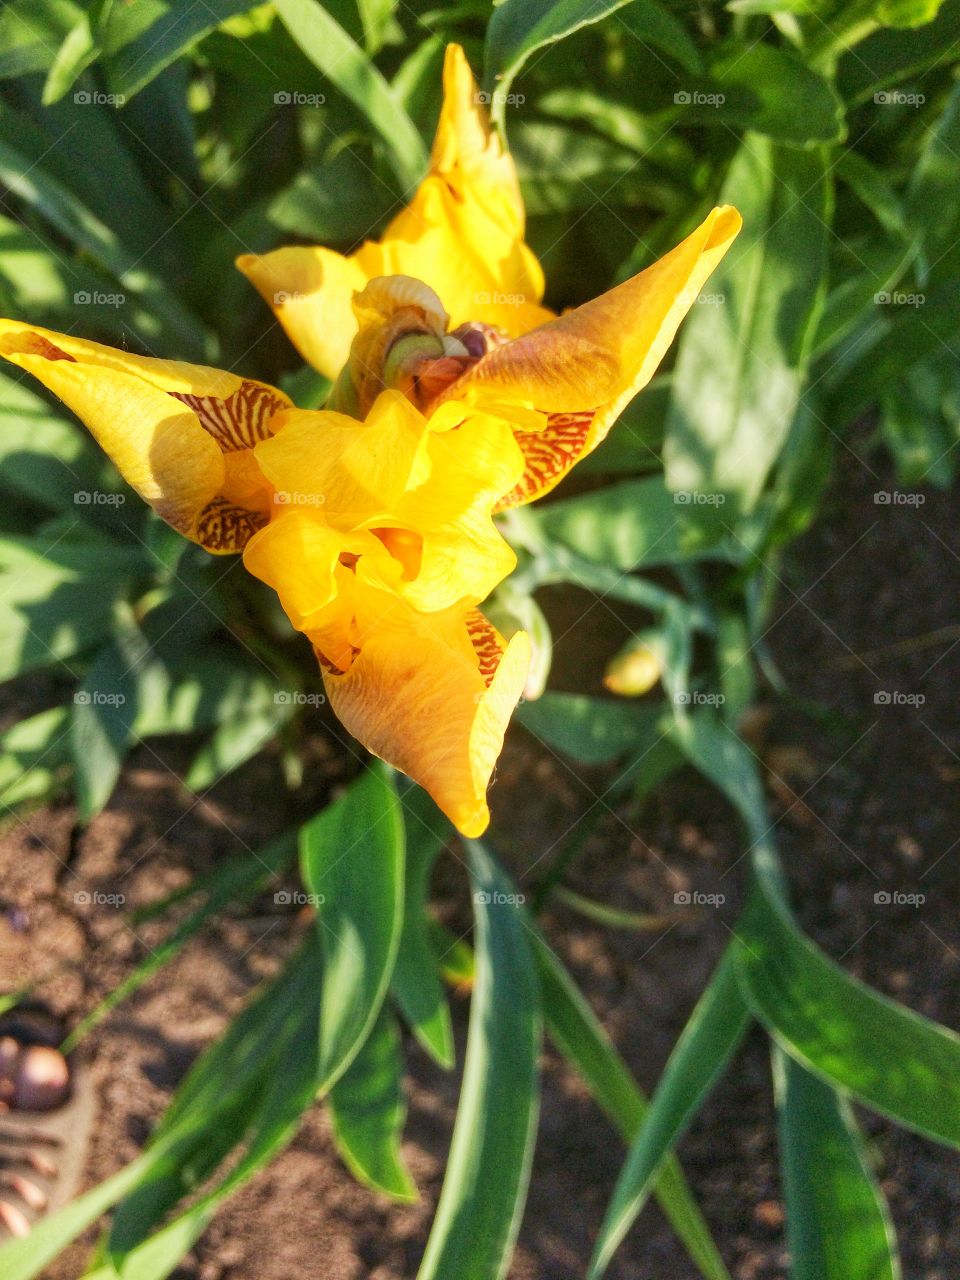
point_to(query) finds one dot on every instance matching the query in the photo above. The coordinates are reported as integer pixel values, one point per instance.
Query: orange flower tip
(471, 823)
(726, 224)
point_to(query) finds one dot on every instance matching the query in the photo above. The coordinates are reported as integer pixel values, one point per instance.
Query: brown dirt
(865, 799)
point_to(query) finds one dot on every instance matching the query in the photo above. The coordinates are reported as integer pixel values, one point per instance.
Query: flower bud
(638, 666)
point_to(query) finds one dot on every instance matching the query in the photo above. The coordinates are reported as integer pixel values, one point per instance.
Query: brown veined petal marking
(487, 643)
(548, 453)
(225, 527)
(240, 421)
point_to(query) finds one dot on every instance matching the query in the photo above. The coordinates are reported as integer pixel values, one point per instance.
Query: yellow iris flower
(457, 395)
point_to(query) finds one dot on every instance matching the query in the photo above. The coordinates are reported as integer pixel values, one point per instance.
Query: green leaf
(582, 1040)
(31, 32)
(141, 48)
(56, 599)
(333, 200)
(873, 188)
(100, 728)
(906, 13)
(56, 203)
(519, 28)
(838, 1224)
(78, 51)
(653, 23)
(591, 730)
(352, 860)
(332, 51)
(741, 362)
(707, 1044)
(238, 739)
(932, 186)
(889, 57)
(42, 456)
(488, 1169)
(917, 325)
(34, 755)
(889, 1057)
(368, 1110)
(771, 92)
(415, 984)
(626, 526)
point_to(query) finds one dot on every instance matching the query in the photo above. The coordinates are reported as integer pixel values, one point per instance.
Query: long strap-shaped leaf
(576, 1032)
(838, 1226)
(489, 1165)
(891, 1058)
(707, 1044)
(352, 859)
(343, 62)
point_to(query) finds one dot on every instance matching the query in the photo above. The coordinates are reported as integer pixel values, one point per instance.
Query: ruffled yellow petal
(463, 556)
(583, 368)
(462, 234)
(310, 290)
(432, 695)
(352, 471)
(180, 434)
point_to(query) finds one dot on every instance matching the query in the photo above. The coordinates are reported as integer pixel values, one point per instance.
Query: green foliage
(142, 148)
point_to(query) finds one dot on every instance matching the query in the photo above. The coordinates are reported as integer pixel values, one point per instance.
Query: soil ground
(864, 798)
